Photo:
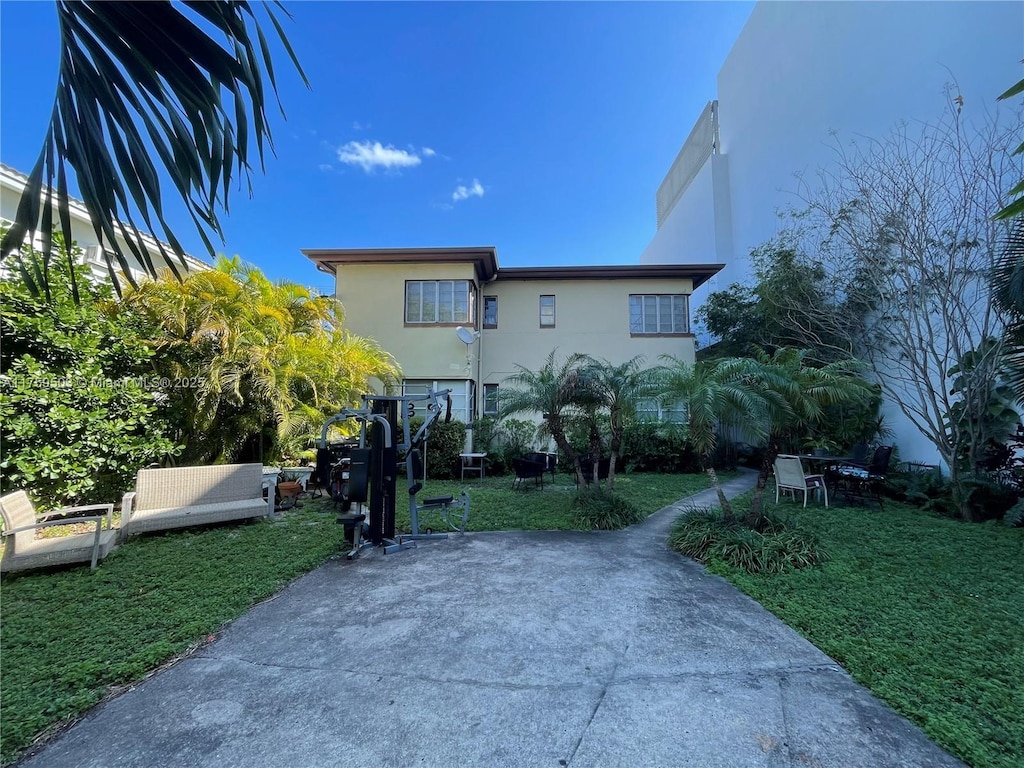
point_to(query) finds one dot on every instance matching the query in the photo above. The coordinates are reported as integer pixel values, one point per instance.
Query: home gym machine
(373, 470)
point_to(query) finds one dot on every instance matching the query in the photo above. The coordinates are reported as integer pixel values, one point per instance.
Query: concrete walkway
(504, 649)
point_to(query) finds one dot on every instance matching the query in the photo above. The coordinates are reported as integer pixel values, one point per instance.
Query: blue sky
(543, 129)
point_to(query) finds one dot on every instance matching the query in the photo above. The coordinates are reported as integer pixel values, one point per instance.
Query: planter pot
(289, 489)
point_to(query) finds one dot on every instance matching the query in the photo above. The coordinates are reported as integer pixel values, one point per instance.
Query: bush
(77, 411)
(776, 547)
(1015, 515)
(649, 446)
(446, 442)
(599, 510)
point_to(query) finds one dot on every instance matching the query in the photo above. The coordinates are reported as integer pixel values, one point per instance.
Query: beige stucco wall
(591, 317)
(373, 296)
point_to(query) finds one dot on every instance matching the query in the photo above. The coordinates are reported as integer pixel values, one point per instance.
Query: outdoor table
(473, 462)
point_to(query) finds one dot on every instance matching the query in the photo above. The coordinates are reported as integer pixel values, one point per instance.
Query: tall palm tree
(149, 90)
(1008, 294)
(554, 391)
(714, 393)
(619, 389)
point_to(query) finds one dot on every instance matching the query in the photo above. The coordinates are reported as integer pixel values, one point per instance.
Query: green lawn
(493, 506)
(927, 612)
(68, 636)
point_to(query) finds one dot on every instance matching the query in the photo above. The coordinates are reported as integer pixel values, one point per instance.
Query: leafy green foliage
(145, 92)
(595, 508)
(446, 442)
(264, 364)
(1014, 516)
(78, 415)
(925, 611)
(775, 547)
(649, 446)
(69, 635)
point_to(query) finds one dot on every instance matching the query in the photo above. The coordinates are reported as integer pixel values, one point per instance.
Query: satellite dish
(466, 336)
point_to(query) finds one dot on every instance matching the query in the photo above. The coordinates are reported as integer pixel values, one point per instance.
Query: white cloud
(462, 192)
(357, 126)
(325, 167)
(372, 155)
(428, 152)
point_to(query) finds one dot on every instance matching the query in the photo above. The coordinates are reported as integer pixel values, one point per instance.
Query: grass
(70, 636)
(493, 506)
(927, 612)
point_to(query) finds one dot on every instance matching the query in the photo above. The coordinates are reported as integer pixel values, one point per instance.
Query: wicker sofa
(23, 550)
(185, 496)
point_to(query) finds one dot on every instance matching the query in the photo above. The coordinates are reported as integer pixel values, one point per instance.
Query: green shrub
(78, 415)
(775, 547)
(446, 442)
(650, 446)
(597, 509)
(1014, 517)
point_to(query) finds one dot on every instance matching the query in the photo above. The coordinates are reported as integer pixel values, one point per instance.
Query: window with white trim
(461, 395)
(490, 399)
(437, 301)
(658, 314)
(547, 311)
(652, 410)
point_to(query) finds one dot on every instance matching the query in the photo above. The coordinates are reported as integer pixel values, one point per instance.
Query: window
(490, 399)
(652, 410)
(659, 314)
(461, 400)
(490, 311)
(437, 301)
(547, 311)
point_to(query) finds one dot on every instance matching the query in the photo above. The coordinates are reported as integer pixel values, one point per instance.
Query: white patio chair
(789, 476)
(22, 550)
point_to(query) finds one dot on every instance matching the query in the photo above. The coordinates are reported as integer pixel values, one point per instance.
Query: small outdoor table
(473, 462)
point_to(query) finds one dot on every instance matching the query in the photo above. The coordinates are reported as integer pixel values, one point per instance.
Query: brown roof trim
(485, 258)
(698, 273)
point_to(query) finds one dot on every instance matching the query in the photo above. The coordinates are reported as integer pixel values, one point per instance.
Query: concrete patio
(504, 649)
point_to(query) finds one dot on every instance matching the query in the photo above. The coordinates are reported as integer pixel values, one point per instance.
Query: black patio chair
(526, 469)
(857, 481)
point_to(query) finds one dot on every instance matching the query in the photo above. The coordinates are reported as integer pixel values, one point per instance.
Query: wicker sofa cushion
(40, 553)
(196, 514)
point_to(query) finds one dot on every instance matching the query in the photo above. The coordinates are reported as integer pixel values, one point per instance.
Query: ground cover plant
(926, 611)
(68, 636)
(494, 506)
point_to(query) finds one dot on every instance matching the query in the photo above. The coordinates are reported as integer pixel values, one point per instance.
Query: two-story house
(452, 318)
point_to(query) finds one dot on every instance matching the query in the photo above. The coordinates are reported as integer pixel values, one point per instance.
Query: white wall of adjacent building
(802, 75)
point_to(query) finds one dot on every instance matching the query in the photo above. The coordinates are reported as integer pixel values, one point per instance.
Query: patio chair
(22, 550)
(525, 470)
(789, 476)
(862, 481)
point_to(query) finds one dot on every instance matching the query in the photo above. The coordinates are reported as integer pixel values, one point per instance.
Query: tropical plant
(1008, 293)
(1016, 206)
(251, 363)
(619, 389)
(148, 91)
(78, 415)
(714, 393)
(554, 391)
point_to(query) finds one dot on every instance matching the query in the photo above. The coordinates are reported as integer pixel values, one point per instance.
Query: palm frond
(143, 89)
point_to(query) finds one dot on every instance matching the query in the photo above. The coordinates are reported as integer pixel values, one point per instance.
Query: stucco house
(453, 318)
(12, 184)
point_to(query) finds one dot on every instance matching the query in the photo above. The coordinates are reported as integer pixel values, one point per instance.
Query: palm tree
(554, 391)
(619, 389)
(714, 393)
(796, 395)
(264, 359)
(147, 90)
(1008, 294)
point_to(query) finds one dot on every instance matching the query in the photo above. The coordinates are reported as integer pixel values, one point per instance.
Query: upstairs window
(490, 311)
(658, 314)
(547, 311)
(437, 301)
